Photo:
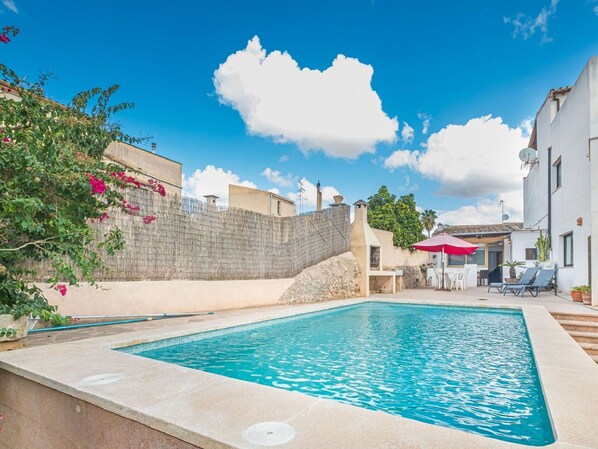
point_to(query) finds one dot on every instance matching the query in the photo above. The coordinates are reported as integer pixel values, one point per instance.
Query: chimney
(211, 199)
(154, 147)
(338, 200)
(319, 197)
(361, 211)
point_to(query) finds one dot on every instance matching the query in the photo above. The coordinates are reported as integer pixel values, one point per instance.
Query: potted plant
(576, 293)
(512, 279)
(586, 294)
(18, 303)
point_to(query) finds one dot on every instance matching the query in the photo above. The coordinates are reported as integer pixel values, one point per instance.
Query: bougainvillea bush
(54, 184)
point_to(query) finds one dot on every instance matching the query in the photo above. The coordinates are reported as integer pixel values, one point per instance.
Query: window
(568, 250)
(479, 258)
(557, 172)
(531, 253)
(278, 207)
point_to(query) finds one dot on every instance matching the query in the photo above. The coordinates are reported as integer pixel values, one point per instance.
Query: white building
(561, 188)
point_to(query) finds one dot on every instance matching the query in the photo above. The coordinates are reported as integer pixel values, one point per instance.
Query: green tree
(428, 219)
(399, 216)
(54, 185)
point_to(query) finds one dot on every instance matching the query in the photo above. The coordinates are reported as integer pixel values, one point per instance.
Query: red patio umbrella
(448, 244)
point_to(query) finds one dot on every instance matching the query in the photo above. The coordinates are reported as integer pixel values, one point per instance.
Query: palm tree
(428, 219)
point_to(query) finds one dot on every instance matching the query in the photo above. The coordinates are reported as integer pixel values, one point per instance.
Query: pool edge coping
(538, 320)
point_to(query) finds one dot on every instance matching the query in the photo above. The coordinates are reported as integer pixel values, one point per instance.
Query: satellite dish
(505, 217)
(528, 155)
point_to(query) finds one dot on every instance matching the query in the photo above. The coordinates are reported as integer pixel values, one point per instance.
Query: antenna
(503, 216)
(528, 157)
(301, 190)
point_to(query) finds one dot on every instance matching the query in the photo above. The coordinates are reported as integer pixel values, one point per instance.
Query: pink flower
(61, 288)
(125, 179)
(148, 219)
(4, 38)
(157, 187)
(104, 216)
(6, 140)
(97, 185)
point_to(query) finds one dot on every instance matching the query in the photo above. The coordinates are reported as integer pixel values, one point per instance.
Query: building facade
(261, 201)
(561, 188)
(145, 165)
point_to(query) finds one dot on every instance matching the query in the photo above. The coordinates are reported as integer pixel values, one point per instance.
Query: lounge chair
(545, 279)
(526, 278)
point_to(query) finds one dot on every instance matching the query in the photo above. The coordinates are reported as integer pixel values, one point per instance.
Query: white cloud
(426, 119)
(526, 26)
(401, 158)
(335, 110)
(276, 177)
(274, 190)
(309, 195)
(595, 9)
(10, 4)
(527, 126)
(475, 159)
(407, 133)
(212, 181)
(283, 158)
(486, 210)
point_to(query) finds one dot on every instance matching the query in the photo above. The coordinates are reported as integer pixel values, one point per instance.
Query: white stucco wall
(520, 240)
(136, 298)
(568, 134)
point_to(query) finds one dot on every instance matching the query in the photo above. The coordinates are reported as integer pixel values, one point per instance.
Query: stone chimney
(361, 211)
(211, 199)
(338, 200)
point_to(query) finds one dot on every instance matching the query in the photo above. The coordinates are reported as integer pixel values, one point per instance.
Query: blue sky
(215, 97)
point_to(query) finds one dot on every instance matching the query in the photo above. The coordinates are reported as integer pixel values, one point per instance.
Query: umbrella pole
(442, 262)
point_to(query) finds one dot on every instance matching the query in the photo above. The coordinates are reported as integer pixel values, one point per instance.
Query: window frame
(567, 236)
(558, 174)
(534, 251)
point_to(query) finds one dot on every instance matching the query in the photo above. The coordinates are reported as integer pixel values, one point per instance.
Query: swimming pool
(466, 368)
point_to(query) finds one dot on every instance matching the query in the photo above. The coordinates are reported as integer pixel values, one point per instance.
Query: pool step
(590, 348)
(560, 316)
(580, 326)
(583, 327)
(584, 337)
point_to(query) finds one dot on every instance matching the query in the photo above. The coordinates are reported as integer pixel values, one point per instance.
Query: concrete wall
(569, 134)
(260, 201)
(38, 417)
(394, 256)
(123, 298)
(145, 165)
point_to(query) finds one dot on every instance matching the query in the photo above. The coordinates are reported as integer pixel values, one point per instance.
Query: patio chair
(526, 278)
(459, 280)
(545, 279)
(437, 277)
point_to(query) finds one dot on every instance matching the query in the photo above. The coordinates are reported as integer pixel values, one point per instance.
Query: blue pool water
(466, 368)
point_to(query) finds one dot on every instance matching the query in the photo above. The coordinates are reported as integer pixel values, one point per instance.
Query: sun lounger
(526, 278)
(545, 280)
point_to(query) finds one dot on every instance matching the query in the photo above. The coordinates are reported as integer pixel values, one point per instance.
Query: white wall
(568, 135)
(137, 298)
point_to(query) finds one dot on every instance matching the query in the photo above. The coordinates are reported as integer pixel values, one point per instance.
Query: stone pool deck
(70, 389)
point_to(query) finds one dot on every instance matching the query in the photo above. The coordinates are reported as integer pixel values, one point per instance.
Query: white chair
(438, 277)
(460, 280)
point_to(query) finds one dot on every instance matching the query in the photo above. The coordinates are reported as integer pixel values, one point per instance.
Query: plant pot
(511, 280)
(20, 325)
(586, 298)
(576, 296)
